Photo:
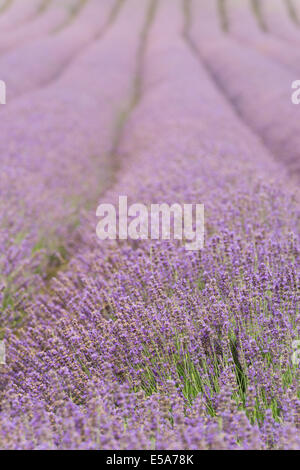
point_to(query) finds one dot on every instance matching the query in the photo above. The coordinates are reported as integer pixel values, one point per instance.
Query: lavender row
(278, 21)
(18, 13)
(142, 345)
(43, 61)
(295, 6)
(244, 26)
(55, 157)
(251, 80)
(55, 15)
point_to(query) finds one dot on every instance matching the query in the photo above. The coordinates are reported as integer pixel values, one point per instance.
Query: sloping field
(133, 343)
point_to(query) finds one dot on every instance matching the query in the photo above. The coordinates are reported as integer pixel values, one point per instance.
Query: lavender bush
(141, 344)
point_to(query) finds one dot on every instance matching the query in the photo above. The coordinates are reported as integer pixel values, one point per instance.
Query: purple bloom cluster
(142, 344)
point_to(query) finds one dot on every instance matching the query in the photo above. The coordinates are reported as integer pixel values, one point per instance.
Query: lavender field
(140, 344)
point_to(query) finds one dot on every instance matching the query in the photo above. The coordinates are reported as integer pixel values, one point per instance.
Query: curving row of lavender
(258, 87)
(296, 9)
(3, 5)
(245, 26)
(142, 344)
(55, 157)
(278, 22)
(41, 62)
(56, 14)
(17, 13)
